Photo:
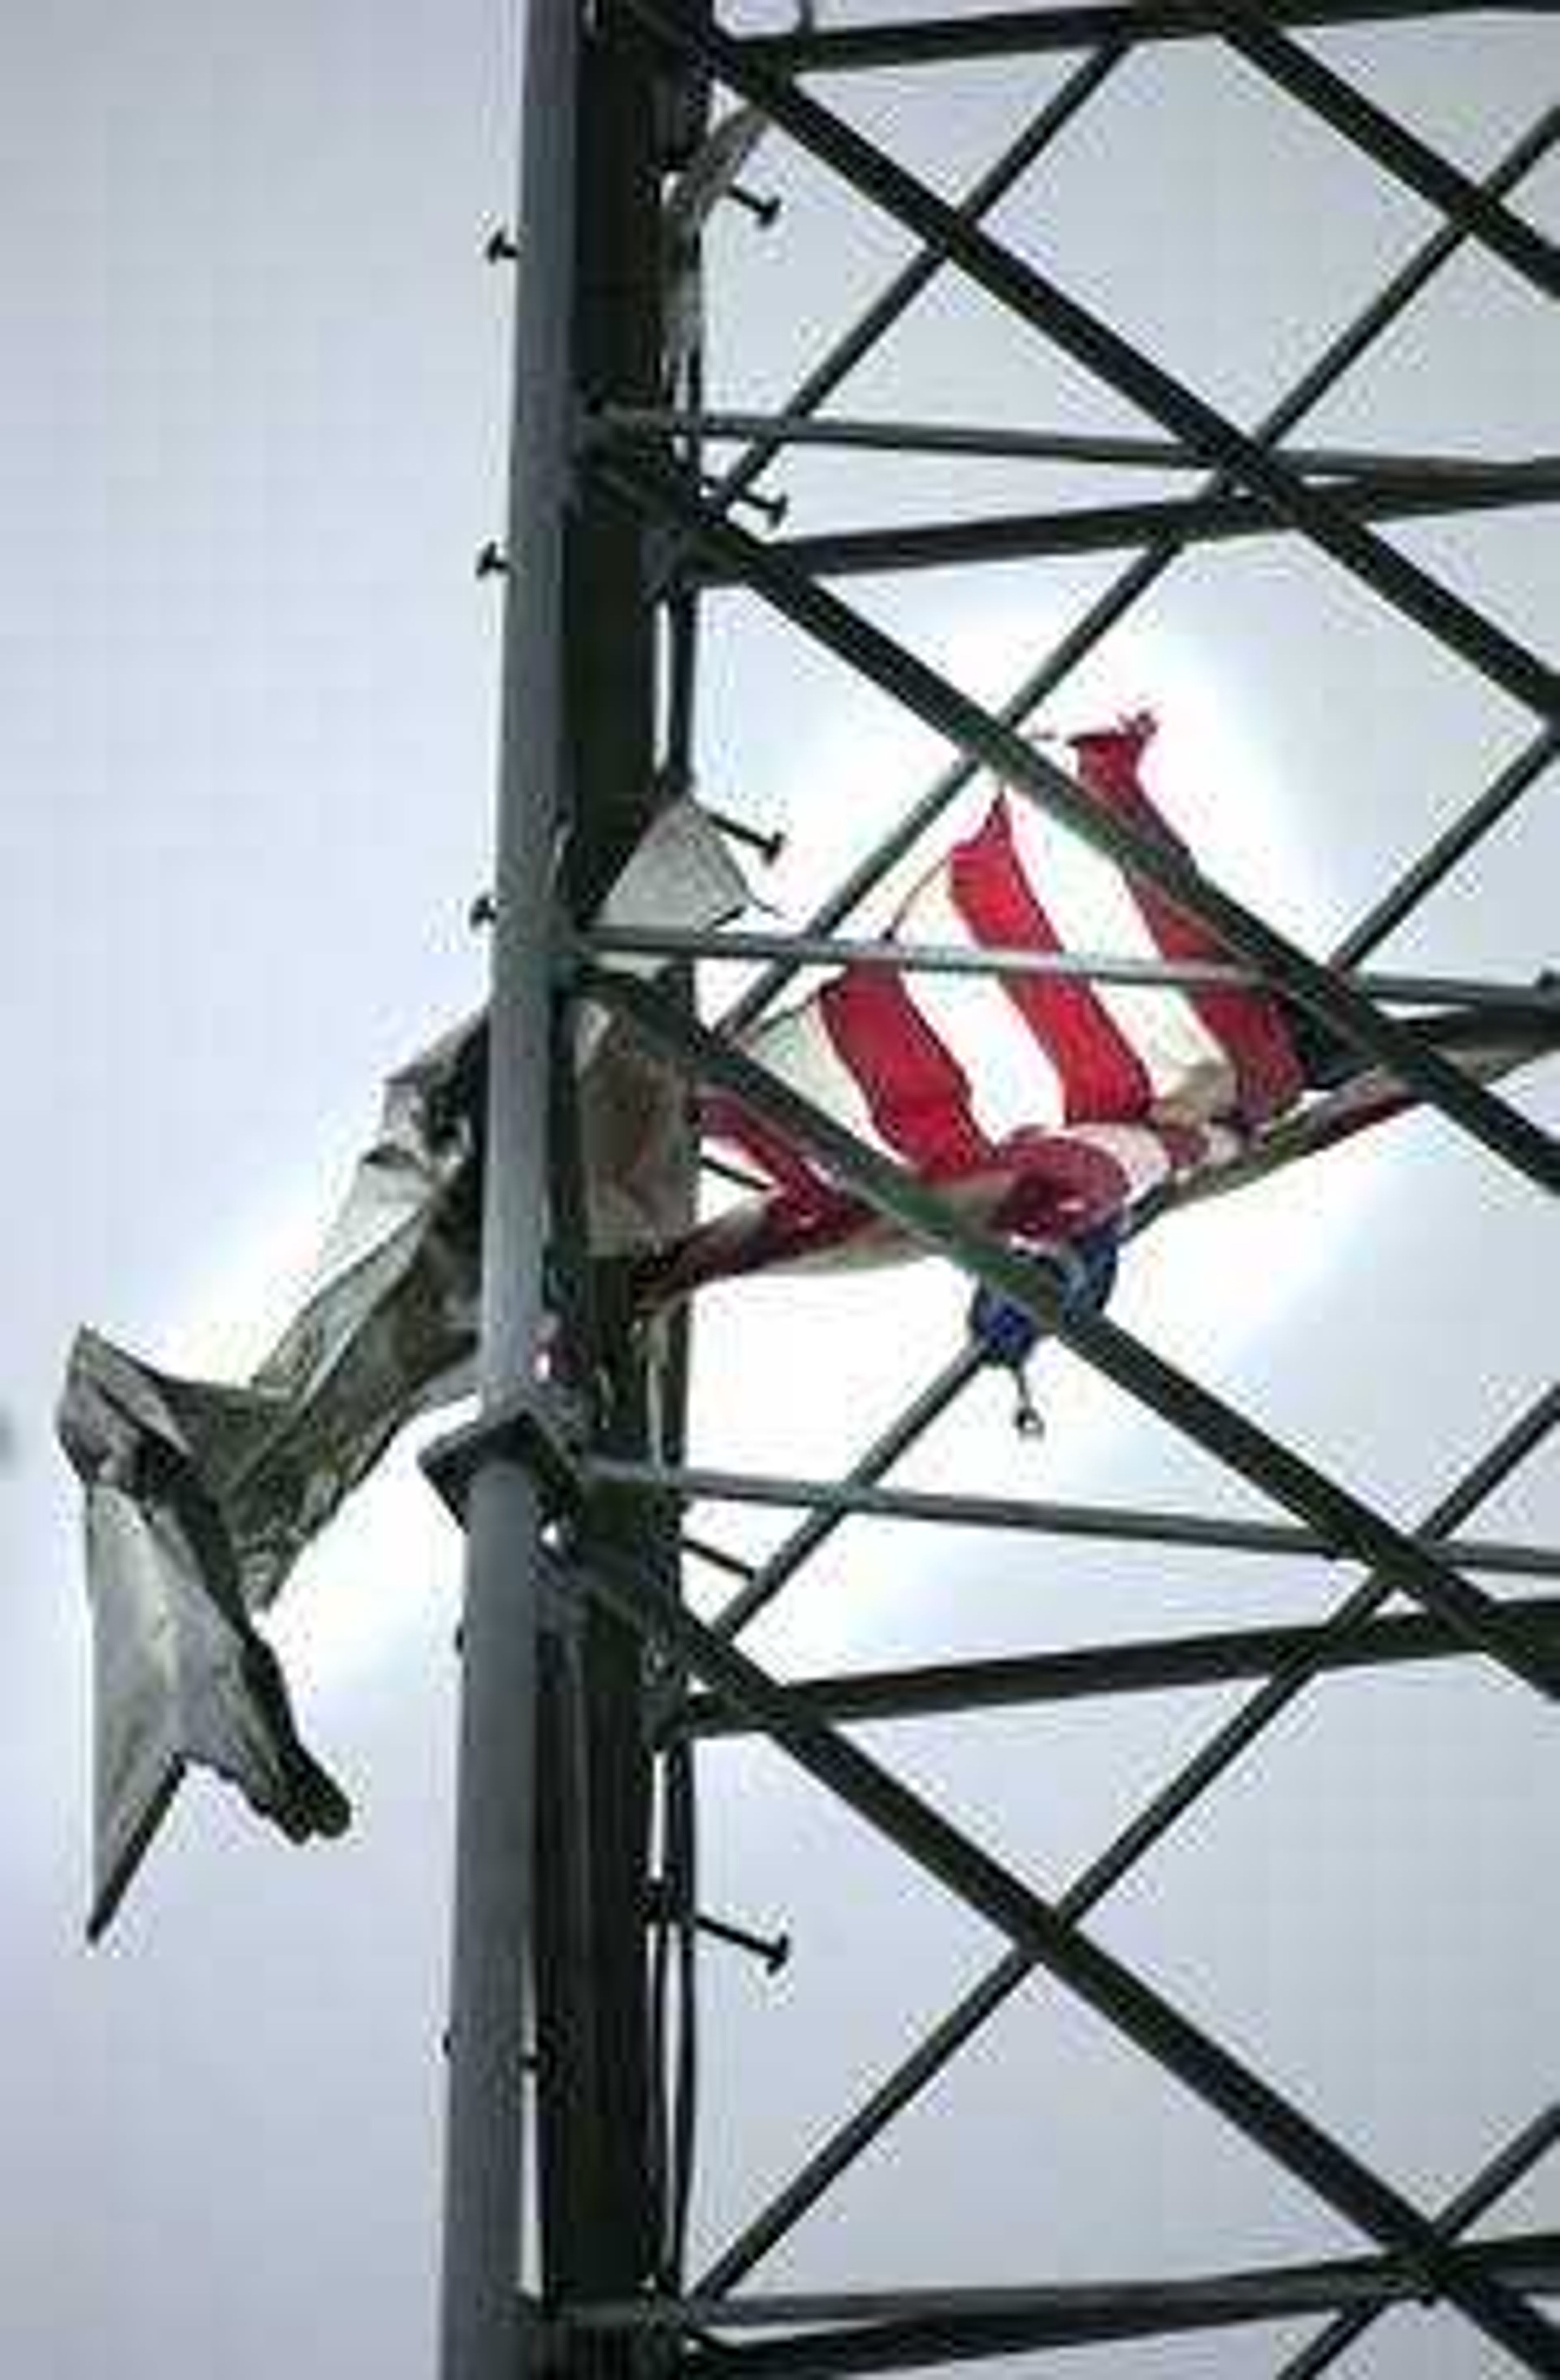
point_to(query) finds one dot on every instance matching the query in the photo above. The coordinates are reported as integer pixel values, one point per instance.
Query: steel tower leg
(553, 1890)
(482, 2336)
(598, 2214)
(573, 1554)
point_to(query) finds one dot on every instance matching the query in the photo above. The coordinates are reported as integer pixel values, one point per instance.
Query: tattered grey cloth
(201, 1496)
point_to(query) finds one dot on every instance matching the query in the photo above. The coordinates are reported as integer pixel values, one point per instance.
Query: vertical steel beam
(482, 2334)
(600, 2218)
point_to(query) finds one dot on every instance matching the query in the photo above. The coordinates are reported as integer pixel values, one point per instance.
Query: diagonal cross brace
(1348, 1525)
(1390, 144)
(1104, 1981)
(895, 298)
(815, 1530)
(1230, 1740)
(1102, 351)
(1340, 356)
(1511, 2164)
(1450, 847)
(943, 707)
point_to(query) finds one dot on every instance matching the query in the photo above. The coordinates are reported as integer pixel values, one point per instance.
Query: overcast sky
(253, 416)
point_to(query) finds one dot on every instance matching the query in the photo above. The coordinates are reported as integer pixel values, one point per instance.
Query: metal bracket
(765, 211)
(771, 1950)
(537, 1429)
(770, 847)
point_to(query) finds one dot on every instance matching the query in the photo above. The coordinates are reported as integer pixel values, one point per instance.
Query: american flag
(1047, 1105)
(1058, 1111)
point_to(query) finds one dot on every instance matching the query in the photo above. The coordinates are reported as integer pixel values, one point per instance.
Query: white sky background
(253, 421)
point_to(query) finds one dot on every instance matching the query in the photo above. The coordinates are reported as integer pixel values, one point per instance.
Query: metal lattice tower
(593, 1670)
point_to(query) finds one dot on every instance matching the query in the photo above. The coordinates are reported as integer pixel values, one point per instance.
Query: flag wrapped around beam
(1061, 1113)
(1049, 1105)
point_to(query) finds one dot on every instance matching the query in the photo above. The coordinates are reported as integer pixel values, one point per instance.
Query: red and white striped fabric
(1047, 1105)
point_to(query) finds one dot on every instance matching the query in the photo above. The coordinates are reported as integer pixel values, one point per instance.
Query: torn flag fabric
(1062, 1112)
(1049, 1105)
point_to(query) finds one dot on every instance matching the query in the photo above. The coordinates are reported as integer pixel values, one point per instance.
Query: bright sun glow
(796, 1375)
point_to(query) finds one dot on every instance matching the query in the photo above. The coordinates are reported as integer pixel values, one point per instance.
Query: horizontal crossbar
(1112, 1524)
(716, 426)
(1119, 528)
(1030, 32)
(883, 2330)
(1151, 1665)
(1540, 1002)
(1032, 1924)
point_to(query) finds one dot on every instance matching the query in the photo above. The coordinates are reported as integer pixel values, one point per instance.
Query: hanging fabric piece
(201, 1494)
